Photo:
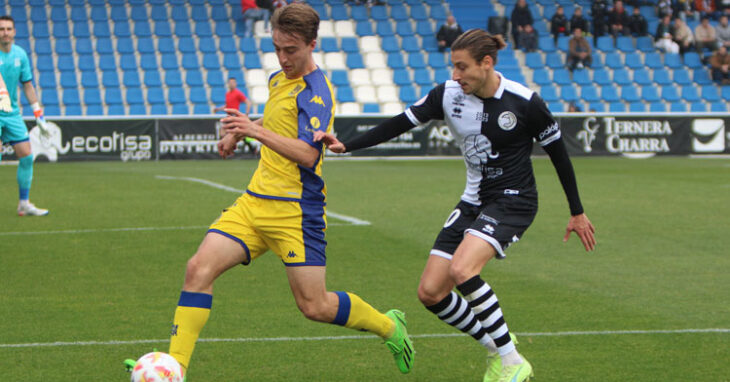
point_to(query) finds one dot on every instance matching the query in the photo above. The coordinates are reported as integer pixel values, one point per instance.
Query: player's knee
(196, 273)
(460, 272)
(430, 294)
(313, 310)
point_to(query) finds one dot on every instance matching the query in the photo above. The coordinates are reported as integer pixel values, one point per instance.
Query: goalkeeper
(14, 72)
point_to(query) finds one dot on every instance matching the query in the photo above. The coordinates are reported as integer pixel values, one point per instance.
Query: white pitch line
(349, 219)
(362, 337)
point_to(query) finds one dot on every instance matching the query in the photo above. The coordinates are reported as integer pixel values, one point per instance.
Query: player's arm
(249, 105)
(294, 149)
(32, 97)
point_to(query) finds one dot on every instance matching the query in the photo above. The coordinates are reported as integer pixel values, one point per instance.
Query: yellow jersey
(296, 108)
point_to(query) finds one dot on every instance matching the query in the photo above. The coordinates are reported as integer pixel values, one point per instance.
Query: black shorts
(500, 222)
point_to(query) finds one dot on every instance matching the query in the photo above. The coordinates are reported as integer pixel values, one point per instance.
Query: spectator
(705, 37)
(234, 97)
(706, 8)
(663, 9)
(638, 24)
(251, 13)
(578, 21)
(599, 12)
(665, 26)
(683, 9)
(498, 26)
(559, 24)
(521, 16)
(719, 65)
(579, 51)
(666, 44)
(448, 33)
(723, 32)
(528, 39)
(683, 36)
(573, 108)
(618, 20)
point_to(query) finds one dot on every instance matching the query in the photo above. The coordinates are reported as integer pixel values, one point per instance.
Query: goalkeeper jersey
(15, 69)
(296, 108)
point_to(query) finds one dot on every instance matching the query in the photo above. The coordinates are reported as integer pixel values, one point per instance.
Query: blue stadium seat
(554, 60)
(402, 77)
(379, 13)
(598, 107)
(207, 45)
(89, 79)
(657, 107)
(625, 44)
(231, 61)
(690, 93)
(223, 29)
(563, 43)
(137, 109)
(155, 95)
(186, 45)
(408, 94)
(119, 13)
(329, 44)
(134, 95)
(610, 94)
(110, 79)
(398, 12)
(176, 95)
(267, 45)
(437, 11)
(210, 61)
(429, 45)
(569, 93)
(146, 45)
(112, 96)
(58, 14)
(98, 13)
(128, 62)
(673, 60)
(562, 77)
(410, 44)
(617, 107)
(630, 94)
(533, 60)
(670, 93)
(437, 60)
(661, 77)
(339, 78)
(718, 107)
(173, 78)
(228, 45)
(416, 60)
(424, 29)
(710, 93)
(193, 78)
(354, 61)
(78, 14)
(45, 63)
(678, 107)
(702, 77)
(60, 30)
(42, 47)
(589, 93)
(441, 75)
(546, 44)
(390, 44)
(138, 13)
(556, 106)
(549, 93)
(654, 60)
(605, 44)
(418, 12)
(248, 45)
(622, 77)
(148, 61)
(180, 109)
(384, 28)
(614, 61)
(422, 77)
(198, 95)
(49, 97)
(121, 29)
(152, 78)
(681, 77)
(344, 94)
(199, 13)
(395, 60)
(693, 60)
(74, 109)
(47, 80)
(642, 77)
(182, 28)
(203, 29)
(214, 78)
(633, 61)
(371, 108)
(650, 94)
(698, 107)
(66, 63)
(359, 13)
(91, 110)
(597, 61)
(404, 28)
(645, 44)
(602, 77)
(252, 61)
(162, 29)
(125, 45)
(637, 107)
(364, 28)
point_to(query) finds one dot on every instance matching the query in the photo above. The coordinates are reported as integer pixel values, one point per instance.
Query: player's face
(470, 74)
(295, 56)
(7, 32)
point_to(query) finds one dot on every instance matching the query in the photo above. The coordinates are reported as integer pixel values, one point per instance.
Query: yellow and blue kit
(283, 208)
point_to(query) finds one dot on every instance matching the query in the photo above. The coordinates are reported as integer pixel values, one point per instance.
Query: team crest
(314, 121)
(507, 121)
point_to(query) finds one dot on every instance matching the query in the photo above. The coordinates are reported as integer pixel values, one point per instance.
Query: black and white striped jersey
(495, 134)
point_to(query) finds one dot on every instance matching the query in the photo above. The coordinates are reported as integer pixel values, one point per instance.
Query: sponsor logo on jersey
(488, 229)
(314, 121)
(17, 62)
(507, 121)
(550, 129)
(481, 116)
(456, 113)
(511, 192)
(291, 255)
(296, 90)
(318, 100)
(458, 100)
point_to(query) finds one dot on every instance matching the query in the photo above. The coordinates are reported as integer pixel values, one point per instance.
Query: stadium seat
(408, 94)
(349, 108)
(345, 94)
(609, 94)
(605, 44)
(533, 60)
(377, 77)
(602, 77)
(354, 61)
(365, 94)
(402, 77)
(549, 93)
(556, 106)
(617, 107)
(625, 44)
(589, 94)
(68, 80)
(614, 61)
(339, 78)
(702, 77)
(650, 94)
(670, 94)
(690, 93)
(657, 107)
(681, 77)
(410, 44)
(645, 44)
(541, 77)
(598, 107)
(673, 60)
(384, 28)
(389, 44)
(415, 60)
(698, 107)
(569, 93)
(693, 61)
(422, 77)
(633, 61)
(441, 75)
(678, 107)
(563, 43)
(404, 28)
(654, 60)
(110, 79)
(661, 77)
(554, 60)
(622, 77)
(637, 107)
(562, 77)
(718, 107)
(546, 44)
(630, 94)
(371, 108)
(364, 28)
(597, 60)
(214, 78)
(642, 77)
(710, 93)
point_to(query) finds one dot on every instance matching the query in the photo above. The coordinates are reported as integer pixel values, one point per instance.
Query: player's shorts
(13, 130)
(292, 230)
(500, 222)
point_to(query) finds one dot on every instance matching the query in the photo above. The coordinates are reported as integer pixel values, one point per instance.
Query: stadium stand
(114, 57)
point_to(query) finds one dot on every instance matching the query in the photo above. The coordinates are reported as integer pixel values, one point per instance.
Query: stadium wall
(162, 137)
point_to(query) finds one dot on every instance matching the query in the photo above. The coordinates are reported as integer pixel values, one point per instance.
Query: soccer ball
(157, 367)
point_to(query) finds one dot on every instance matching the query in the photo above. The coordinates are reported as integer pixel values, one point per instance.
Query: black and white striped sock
(484, 304)
(455, 311)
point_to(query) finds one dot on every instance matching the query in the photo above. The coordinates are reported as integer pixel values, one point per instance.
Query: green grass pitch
(78, 293)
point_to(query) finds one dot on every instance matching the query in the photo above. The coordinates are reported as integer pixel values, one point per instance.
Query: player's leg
(25, 178)
(349, 310)
(216, 254)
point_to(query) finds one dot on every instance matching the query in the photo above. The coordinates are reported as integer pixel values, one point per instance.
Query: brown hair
(297, 19)
(8, 18)
(479, 44)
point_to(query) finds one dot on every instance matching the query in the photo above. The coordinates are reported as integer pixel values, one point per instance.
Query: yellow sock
(357, 314)
(191, 314)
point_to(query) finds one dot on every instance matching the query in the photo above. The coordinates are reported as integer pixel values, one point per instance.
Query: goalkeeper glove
(5, 104)
(39, 118)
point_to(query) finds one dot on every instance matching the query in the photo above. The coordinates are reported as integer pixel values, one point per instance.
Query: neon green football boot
(516, 373)
(399, 343)
(494, 363)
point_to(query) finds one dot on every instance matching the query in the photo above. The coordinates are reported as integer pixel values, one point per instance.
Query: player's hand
(584, 229)
(329, 139)
(238, 124)
(5, 104)
(227, 145)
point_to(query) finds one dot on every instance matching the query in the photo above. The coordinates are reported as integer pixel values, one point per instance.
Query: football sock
(25, 176)
(357, 314)
(455, 311)
(484, 304)
(191, 314)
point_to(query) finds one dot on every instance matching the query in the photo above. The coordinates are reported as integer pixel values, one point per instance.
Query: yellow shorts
(292, 230)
